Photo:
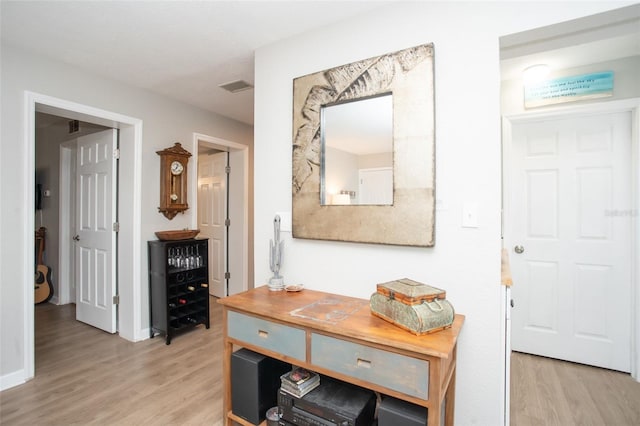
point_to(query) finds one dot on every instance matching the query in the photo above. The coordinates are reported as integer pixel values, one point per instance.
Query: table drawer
(288, 341)
(398, 372)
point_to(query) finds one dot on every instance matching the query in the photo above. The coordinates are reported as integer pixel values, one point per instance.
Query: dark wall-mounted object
(173, 180)
(38, 196)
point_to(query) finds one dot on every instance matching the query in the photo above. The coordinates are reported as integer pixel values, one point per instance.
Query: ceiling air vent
(74, 126)
(236, 86)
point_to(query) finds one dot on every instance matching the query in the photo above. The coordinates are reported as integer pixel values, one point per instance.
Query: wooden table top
(343, 316)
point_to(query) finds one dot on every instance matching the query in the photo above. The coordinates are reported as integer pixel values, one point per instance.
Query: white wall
(626, 85)
(341, 171)
(164, 122)
(464, 261)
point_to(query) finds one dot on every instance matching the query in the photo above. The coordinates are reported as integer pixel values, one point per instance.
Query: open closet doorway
(569, 204)
(128, 258)
(222, 185)
(76, 176)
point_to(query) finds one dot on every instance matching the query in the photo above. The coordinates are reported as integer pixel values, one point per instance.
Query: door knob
(76, 238)
(518, 249)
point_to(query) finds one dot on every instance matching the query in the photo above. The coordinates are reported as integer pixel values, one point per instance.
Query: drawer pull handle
(263, 334)
(364, 363)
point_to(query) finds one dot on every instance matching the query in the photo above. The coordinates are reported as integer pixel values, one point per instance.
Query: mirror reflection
(357, 152)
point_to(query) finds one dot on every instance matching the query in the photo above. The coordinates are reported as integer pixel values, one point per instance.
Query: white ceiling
(181, 49)
(185, 49)
(360, 128)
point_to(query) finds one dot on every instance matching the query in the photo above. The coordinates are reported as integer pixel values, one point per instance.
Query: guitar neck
(40, 241)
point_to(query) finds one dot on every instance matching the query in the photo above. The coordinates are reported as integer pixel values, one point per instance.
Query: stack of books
(299, 382)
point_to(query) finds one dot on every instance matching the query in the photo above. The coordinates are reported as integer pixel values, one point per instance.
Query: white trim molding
(10, 380)
(129, 273)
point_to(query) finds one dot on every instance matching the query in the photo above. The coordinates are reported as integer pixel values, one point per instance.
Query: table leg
(450, 400)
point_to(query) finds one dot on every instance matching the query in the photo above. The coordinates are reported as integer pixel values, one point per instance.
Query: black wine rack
(178, 286)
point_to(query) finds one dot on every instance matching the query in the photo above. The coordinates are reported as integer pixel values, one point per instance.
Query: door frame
(627, 105)
(226, 145)
(129, 255)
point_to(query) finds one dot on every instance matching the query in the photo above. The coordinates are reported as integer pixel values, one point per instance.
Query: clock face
(176, 168)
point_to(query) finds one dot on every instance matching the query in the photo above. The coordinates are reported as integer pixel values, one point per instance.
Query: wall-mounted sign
(568, 89)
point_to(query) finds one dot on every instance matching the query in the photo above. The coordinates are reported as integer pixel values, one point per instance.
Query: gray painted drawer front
(279, 338)
(398, 372)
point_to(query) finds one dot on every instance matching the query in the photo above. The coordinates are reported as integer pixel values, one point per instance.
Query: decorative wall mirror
(328, 202)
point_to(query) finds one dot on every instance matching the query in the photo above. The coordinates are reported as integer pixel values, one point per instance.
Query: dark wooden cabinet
(178, 286)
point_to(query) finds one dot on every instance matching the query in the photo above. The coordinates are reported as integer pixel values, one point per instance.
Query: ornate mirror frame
(409, 221)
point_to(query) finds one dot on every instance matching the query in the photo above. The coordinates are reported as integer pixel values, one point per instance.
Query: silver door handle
(518, 249)
(76, 238)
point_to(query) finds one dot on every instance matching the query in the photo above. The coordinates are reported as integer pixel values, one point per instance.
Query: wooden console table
(339, 337)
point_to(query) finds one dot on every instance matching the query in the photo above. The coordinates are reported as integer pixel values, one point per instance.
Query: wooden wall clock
(173, 180)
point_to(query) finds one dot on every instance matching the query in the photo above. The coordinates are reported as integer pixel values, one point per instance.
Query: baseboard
(145, 334)
(12, 379)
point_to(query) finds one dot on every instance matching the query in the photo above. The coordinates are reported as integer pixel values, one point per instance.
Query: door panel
(375, 186)
(542, 203)
(572, 282)
(594, 196)
(541, 307)
(237, 239)
(95, 239)
(212, 207)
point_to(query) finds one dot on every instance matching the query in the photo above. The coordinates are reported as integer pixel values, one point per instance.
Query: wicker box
(413, 306)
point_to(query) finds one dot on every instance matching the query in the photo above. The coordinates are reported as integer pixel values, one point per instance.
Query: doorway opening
(75, 161)
(129, 269)
(570, 180)
(606, 278)
(222, 206)
(577, 47)
(56, 149)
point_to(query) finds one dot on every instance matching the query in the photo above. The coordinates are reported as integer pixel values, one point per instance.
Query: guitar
(43, 287)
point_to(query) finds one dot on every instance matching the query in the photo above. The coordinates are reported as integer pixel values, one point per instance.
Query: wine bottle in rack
(199, 259)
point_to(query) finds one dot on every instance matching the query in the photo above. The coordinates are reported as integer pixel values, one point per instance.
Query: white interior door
(212, 208)
(375, 186)
(95, 240)
(237, 261)
(570, 201)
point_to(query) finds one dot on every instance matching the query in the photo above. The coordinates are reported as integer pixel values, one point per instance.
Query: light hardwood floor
(545, 391)
(85, 376)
